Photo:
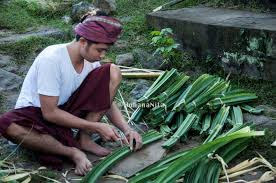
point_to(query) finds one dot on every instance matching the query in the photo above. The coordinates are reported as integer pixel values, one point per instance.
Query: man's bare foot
(83, 165)
(91, 146)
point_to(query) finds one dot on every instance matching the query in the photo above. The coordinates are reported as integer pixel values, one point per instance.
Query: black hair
(89, 41)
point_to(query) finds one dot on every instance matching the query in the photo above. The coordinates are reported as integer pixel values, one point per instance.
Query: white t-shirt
(52, 74)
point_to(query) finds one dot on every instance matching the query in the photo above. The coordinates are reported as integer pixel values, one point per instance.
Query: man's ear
(82, 41)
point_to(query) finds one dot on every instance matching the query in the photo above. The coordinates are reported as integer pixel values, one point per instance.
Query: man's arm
(117, 118)
(53, 114)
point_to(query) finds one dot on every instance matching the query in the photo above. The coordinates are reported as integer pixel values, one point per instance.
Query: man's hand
(134, 139)
(116, 117)
(107, 132)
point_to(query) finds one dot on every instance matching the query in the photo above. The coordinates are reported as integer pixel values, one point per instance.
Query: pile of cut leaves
(175, 106)
(209, 106)
(197, 165)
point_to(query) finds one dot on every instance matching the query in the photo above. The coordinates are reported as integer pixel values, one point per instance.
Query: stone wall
(241, 42)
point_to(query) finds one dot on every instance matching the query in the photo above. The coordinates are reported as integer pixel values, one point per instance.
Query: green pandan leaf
(94, 175)
(183, 164)
(155, 33)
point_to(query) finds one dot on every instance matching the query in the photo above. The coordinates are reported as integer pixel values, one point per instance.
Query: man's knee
(95, 116)
(16, 132)
(115, 74)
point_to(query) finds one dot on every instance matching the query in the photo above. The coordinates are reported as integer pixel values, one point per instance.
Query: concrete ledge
(213, 32)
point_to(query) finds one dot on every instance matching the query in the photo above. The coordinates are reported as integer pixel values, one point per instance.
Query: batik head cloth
(101, 29)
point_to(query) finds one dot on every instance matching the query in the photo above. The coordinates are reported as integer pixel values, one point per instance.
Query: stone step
(243, 42)
(8, 101)
(4, 60)
(9, 82)
(42, 32)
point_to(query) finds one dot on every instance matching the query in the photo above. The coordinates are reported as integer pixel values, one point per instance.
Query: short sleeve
(48, 77)
(95, 65)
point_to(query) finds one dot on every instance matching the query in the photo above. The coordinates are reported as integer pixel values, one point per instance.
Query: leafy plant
(165, 44)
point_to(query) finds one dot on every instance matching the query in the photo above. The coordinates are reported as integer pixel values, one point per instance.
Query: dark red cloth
(92, 95)
(101, 29)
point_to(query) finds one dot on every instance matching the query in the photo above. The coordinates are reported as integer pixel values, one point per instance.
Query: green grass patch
(20, 15)
(112, 54)
(265, 90)
(45, 8)
(15, 18)
(135, 30)
(127, 86)
(21, 50)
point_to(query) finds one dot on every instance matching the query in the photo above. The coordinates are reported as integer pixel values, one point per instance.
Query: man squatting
(66, 87)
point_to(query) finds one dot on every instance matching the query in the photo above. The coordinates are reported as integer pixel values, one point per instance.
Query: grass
(22, 49)
(19, 16)
(265, 90)
(13, 17)
(135, 31)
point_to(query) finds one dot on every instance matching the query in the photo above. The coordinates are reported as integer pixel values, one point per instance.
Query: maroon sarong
(92, 96)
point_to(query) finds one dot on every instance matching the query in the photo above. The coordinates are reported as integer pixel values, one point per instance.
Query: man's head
(90, 50)
(95, 34)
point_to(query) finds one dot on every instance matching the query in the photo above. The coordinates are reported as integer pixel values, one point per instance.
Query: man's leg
(85, 142)
(46, 143)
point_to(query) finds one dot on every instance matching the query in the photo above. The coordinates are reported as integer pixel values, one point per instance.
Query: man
(66, 87)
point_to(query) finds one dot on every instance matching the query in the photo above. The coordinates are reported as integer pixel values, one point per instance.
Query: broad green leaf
(155, 33)
(166, 31)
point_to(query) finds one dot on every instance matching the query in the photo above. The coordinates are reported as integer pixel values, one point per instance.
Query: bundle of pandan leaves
(208, 105)
(196, 165)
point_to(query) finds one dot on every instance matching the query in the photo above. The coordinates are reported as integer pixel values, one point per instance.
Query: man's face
(94, 52)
